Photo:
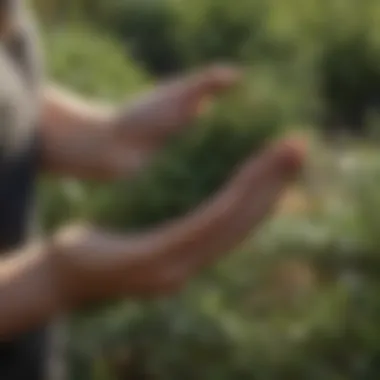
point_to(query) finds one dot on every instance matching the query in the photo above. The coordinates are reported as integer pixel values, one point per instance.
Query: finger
(216, 228)
(200, 88)
(192, 94)
(234, 205)
(281, 160)
(256, 189)
(269, 175)
(213, 79)
(218, 78)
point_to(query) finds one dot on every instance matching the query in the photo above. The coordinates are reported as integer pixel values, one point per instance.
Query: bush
(91, 63)
(193, 166)
(242, 319)
(219, 328)
(350, 83)
(148, 30)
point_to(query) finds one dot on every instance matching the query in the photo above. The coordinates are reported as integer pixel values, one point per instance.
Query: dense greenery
(305, 304)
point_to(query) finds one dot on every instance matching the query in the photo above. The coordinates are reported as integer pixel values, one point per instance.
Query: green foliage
(309, 62)
(149, 29)
(92, 63)
(193, 166)
(84, 60)
(334, 41)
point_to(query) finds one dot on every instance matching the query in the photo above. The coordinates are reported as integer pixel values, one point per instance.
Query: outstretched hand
(144, 125)
(162, 260)
(187, 246)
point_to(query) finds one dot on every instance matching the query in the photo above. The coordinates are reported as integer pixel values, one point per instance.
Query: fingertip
(292, 152)
(297, 148)
(222, 76)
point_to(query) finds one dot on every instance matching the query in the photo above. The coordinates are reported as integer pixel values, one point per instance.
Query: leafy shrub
(302, 54)
(193, 166)
(91, 63)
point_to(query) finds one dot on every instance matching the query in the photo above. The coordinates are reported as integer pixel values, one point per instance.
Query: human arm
(96, 141)
(82, 265)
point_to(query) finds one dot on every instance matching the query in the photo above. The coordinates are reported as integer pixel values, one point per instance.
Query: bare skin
(92, 140)
(82, 264)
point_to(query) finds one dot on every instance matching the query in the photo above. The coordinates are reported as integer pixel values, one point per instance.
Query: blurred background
(301, 300)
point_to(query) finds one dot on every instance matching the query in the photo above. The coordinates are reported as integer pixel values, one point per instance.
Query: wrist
(70, 277)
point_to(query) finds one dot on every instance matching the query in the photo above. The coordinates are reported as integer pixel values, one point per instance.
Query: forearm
(29, 294)
(82, 265)
(95, 265)
(97, 141)
(156, 261)
(75, 136)
(88, 140)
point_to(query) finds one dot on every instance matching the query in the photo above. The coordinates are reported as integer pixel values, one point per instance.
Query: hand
(94, 141)
(144, 126)
(161, 261)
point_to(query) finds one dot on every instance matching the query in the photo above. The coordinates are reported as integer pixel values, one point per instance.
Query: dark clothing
(24, 357)
(17, 177)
